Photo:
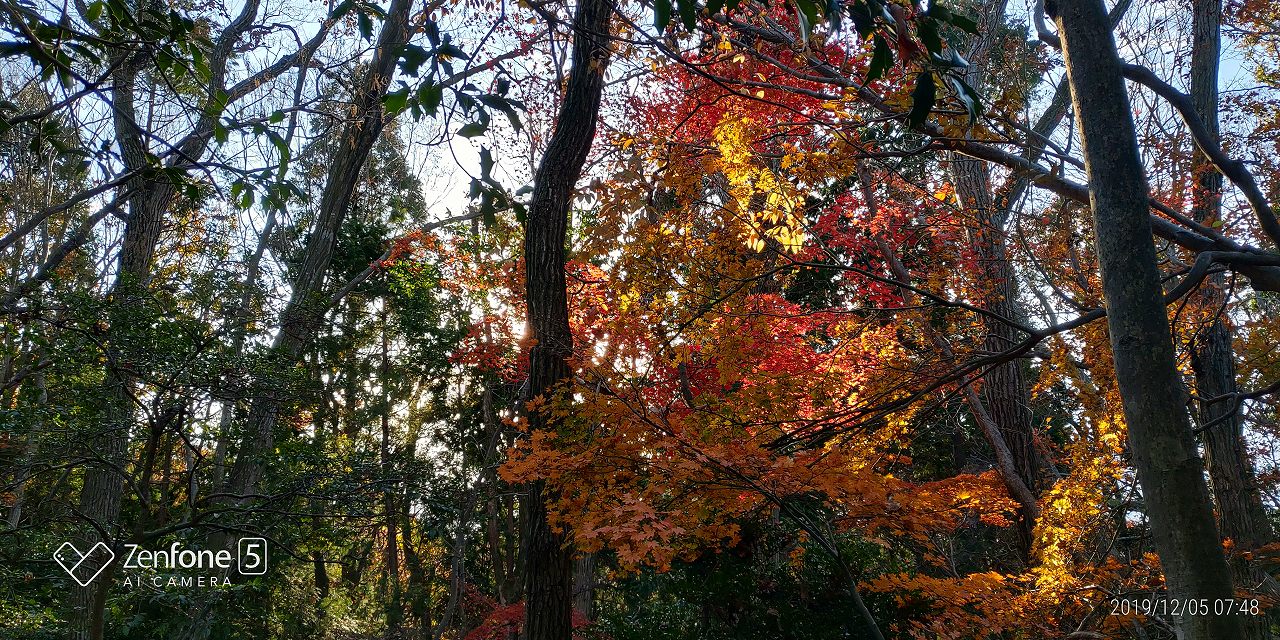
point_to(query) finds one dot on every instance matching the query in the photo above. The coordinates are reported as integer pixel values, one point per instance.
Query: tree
(548, 570)
(1164, 451)
(1241, 516)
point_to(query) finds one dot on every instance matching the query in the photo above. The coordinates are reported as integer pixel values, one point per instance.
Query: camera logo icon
(84, 568)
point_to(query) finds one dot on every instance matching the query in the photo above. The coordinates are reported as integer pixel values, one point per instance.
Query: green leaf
(277, 117)
(395, 102)
(688, 13)
(923, 98)
(952, 60)
(964, 23)
(472, 129)
(452, 51)
(412, 59)
(365, 25)
(927, 29)
(807, 16)
(881, 59)
(661, 14)
(429, 96)
(94, 11)
(968, 97)
(488, 211)
(486, 165)
(505, 106)
(863, 20)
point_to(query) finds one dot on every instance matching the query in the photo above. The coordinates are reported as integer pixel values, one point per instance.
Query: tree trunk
(391, 555)
(1241, 516)
(103, 491)
(584, 585)
(1005, 392)
(548, 577)
(304, 312)
(23, 474)
(1160, 439)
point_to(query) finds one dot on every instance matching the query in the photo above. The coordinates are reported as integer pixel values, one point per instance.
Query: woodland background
(646, 319)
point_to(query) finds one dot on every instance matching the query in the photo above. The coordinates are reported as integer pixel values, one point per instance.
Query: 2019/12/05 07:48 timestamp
(1178, 607)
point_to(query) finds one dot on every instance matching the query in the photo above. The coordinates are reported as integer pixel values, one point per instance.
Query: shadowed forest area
(639, 319)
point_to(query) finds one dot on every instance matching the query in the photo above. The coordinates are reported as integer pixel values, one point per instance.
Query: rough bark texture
(1241, 516)
(584, 585)
(1160, 439)
(1005, 395)
(548, 557)
(148, 200)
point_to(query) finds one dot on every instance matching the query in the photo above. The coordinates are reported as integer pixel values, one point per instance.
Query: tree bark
(1005, 393)
(548, 558)
(584, 585)
(103, 490)
(1160, 439)
(1241, 516)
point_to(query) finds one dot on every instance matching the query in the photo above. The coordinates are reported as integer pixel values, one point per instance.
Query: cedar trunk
(1006, 396)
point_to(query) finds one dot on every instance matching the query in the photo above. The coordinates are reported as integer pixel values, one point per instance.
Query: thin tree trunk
(253, 269)
(584, 585)
(1160, 439)
(457, 570)
(303, 314)
(548, 577)
(1241, 516)
(395, 610)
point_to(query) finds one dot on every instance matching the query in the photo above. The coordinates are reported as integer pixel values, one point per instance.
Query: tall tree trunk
(548, 556)
(1005, 393)
(1240, 513)
(1160, 439)
(148, 201)
(103, 490)
(304, 312)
